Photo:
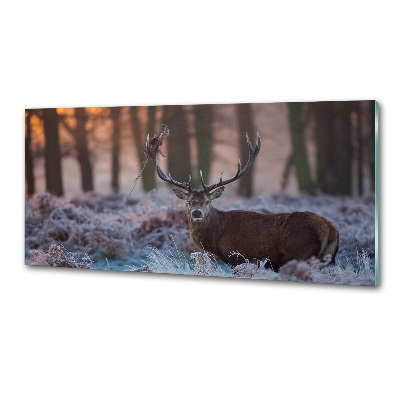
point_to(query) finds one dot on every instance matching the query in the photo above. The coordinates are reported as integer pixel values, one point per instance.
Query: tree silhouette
(79, 134)
(83, 150)
(345, 146)
(116, 144)
(203, 123)
(338, 142)
(299, 155)
(370, 140)
(178, 143)
(30, 180)
(139, 138)
(52, 152)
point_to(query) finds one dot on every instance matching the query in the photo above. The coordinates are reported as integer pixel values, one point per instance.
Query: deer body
(235, 236)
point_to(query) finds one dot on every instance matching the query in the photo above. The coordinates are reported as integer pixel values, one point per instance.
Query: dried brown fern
(152, 144)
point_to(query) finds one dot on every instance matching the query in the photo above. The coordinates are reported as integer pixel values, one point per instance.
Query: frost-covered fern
(174, 261)
(150, 233)
(312, 270)
(58, 256)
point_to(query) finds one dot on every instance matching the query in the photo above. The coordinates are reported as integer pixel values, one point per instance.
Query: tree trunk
(139, 138)
(345, 149)
(30, 180)
(371, 142)
(337, 146)
(360, 159)
(80, 136)
(327, 146)
(321, 136)
(203, 125)
(245, 125)
(178, 143)
(300, 159)
(151, 120)
(52, 152)
(116, 139)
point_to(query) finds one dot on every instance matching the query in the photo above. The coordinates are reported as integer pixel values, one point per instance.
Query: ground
(149, 233)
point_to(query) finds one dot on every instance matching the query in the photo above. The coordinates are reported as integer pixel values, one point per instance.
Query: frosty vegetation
(149, 234)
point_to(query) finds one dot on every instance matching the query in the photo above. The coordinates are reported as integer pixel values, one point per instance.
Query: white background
(69, 334)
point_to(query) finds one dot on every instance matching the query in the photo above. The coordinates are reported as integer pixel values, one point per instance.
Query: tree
(116, 144)
(370, 116)
(203, 124)
(245, 125)
(178, 143)
(299, 154)
(52, 152)
(339, 144)
(30, 180)
(345, 146)
(139, 138)
(327, 146)
(83, 149)
(79, 133)
(364, 147)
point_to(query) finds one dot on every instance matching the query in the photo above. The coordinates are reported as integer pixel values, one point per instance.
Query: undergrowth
(58, 256)
(174, 261)
(361, 272)
(150, 234)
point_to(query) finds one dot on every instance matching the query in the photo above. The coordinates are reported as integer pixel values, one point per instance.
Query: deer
(239, 236)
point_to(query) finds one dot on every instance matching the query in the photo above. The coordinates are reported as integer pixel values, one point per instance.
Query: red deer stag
(234, 236)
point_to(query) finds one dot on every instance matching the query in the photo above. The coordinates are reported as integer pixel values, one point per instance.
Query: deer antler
(152, 152)
(240, 172)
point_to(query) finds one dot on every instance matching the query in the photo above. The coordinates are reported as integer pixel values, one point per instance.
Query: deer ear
(182, 195)
(216, 193)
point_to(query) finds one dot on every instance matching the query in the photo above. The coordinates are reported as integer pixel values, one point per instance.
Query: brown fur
(250, 235)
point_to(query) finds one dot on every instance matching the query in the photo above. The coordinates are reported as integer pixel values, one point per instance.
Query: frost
(176, 262)
(57, 256)
(149, 233)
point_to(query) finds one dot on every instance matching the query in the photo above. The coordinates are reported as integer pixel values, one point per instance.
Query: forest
(93, 199)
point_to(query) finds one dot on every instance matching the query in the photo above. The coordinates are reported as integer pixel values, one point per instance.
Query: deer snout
(196, 214)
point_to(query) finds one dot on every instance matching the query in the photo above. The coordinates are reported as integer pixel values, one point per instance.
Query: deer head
(199, 201)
